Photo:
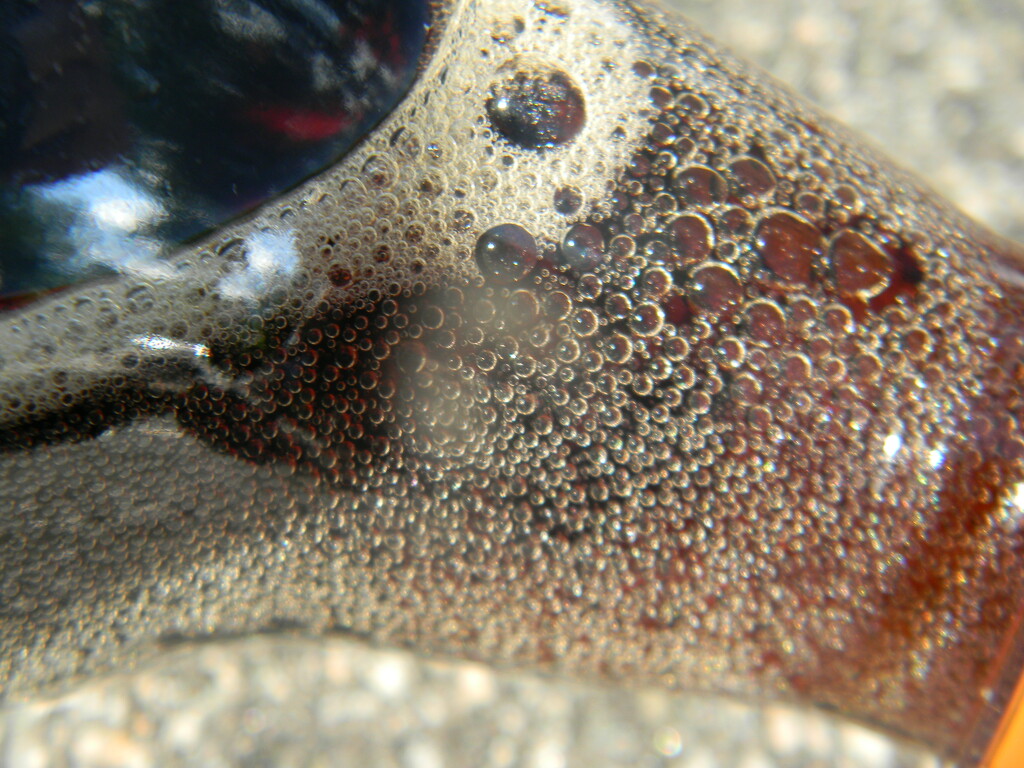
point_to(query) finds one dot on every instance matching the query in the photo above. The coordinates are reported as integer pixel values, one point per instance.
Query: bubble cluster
(746, 419)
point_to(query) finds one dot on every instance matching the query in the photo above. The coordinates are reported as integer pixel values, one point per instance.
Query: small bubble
(551, 8)
(733, 352)
(700, 187)
(537, 109)
(693, 106)
(810, 204)
(647, 319)
(751, 177)
(642, 69)
(589, 287)
(583, 247)
(506, 31)
(736, 221)
(765, 322)
(585, 322)
(860, 267)
(523, 308)
(339, 276)
(568, 200)
(411, 357)
(622, 247)
(660, 97)
(618, 348)
(462, 220)
(797, 369)
(506, 252)
(656, 282)
(847, 197)
(676, 348)
(618, 306)
(557, 306)
(692, 239)
(789, 246)
(715, 288)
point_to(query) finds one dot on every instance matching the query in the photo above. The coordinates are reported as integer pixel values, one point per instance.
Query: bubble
(506, 252)
(557, 306)
(589, 287)
(656, 282)
(732, 352)
(621, 247)
(751, 177)
(692, 239)
(643, 69)
(505, 31)
(585, 322)
(539, 108)
(618, 306)
(583, 247)
(568, 200)
(810, 204)
(647, 319)
(789, 246)
(746, 389)
(797, 369)
(618, 348)
(765, 321)
(736, 221)
(411, 357)
(860, 268)
(715, 288)
(701, 187)
(676, 348)
(693, 106)
(677, 309)
(523, 308)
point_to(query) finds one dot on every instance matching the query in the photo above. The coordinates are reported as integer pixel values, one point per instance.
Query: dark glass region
(128, 127)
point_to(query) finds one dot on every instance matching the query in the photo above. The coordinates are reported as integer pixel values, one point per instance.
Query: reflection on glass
(130, 127)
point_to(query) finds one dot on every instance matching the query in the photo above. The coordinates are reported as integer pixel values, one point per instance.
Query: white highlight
(271, 258)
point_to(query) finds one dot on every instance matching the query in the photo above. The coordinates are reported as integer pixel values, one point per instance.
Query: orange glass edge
(1007, 747)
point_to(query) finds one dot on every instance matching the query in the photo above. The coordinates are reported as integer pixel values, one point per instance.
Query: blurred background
(938, 84)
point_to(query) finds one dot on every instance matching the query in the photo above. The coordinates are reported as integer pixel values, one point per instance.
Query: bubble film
(693, 391)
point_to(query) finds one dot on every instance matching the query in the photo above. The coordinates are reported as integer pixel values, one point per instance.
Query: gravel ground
(940, 85)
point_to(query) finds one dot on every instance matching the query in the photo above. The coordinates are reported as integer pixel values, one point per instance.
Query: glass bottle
(600, 354)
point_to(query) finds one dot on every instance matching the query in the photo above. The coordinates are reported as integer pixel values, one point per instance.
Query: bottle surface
(625, 366)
